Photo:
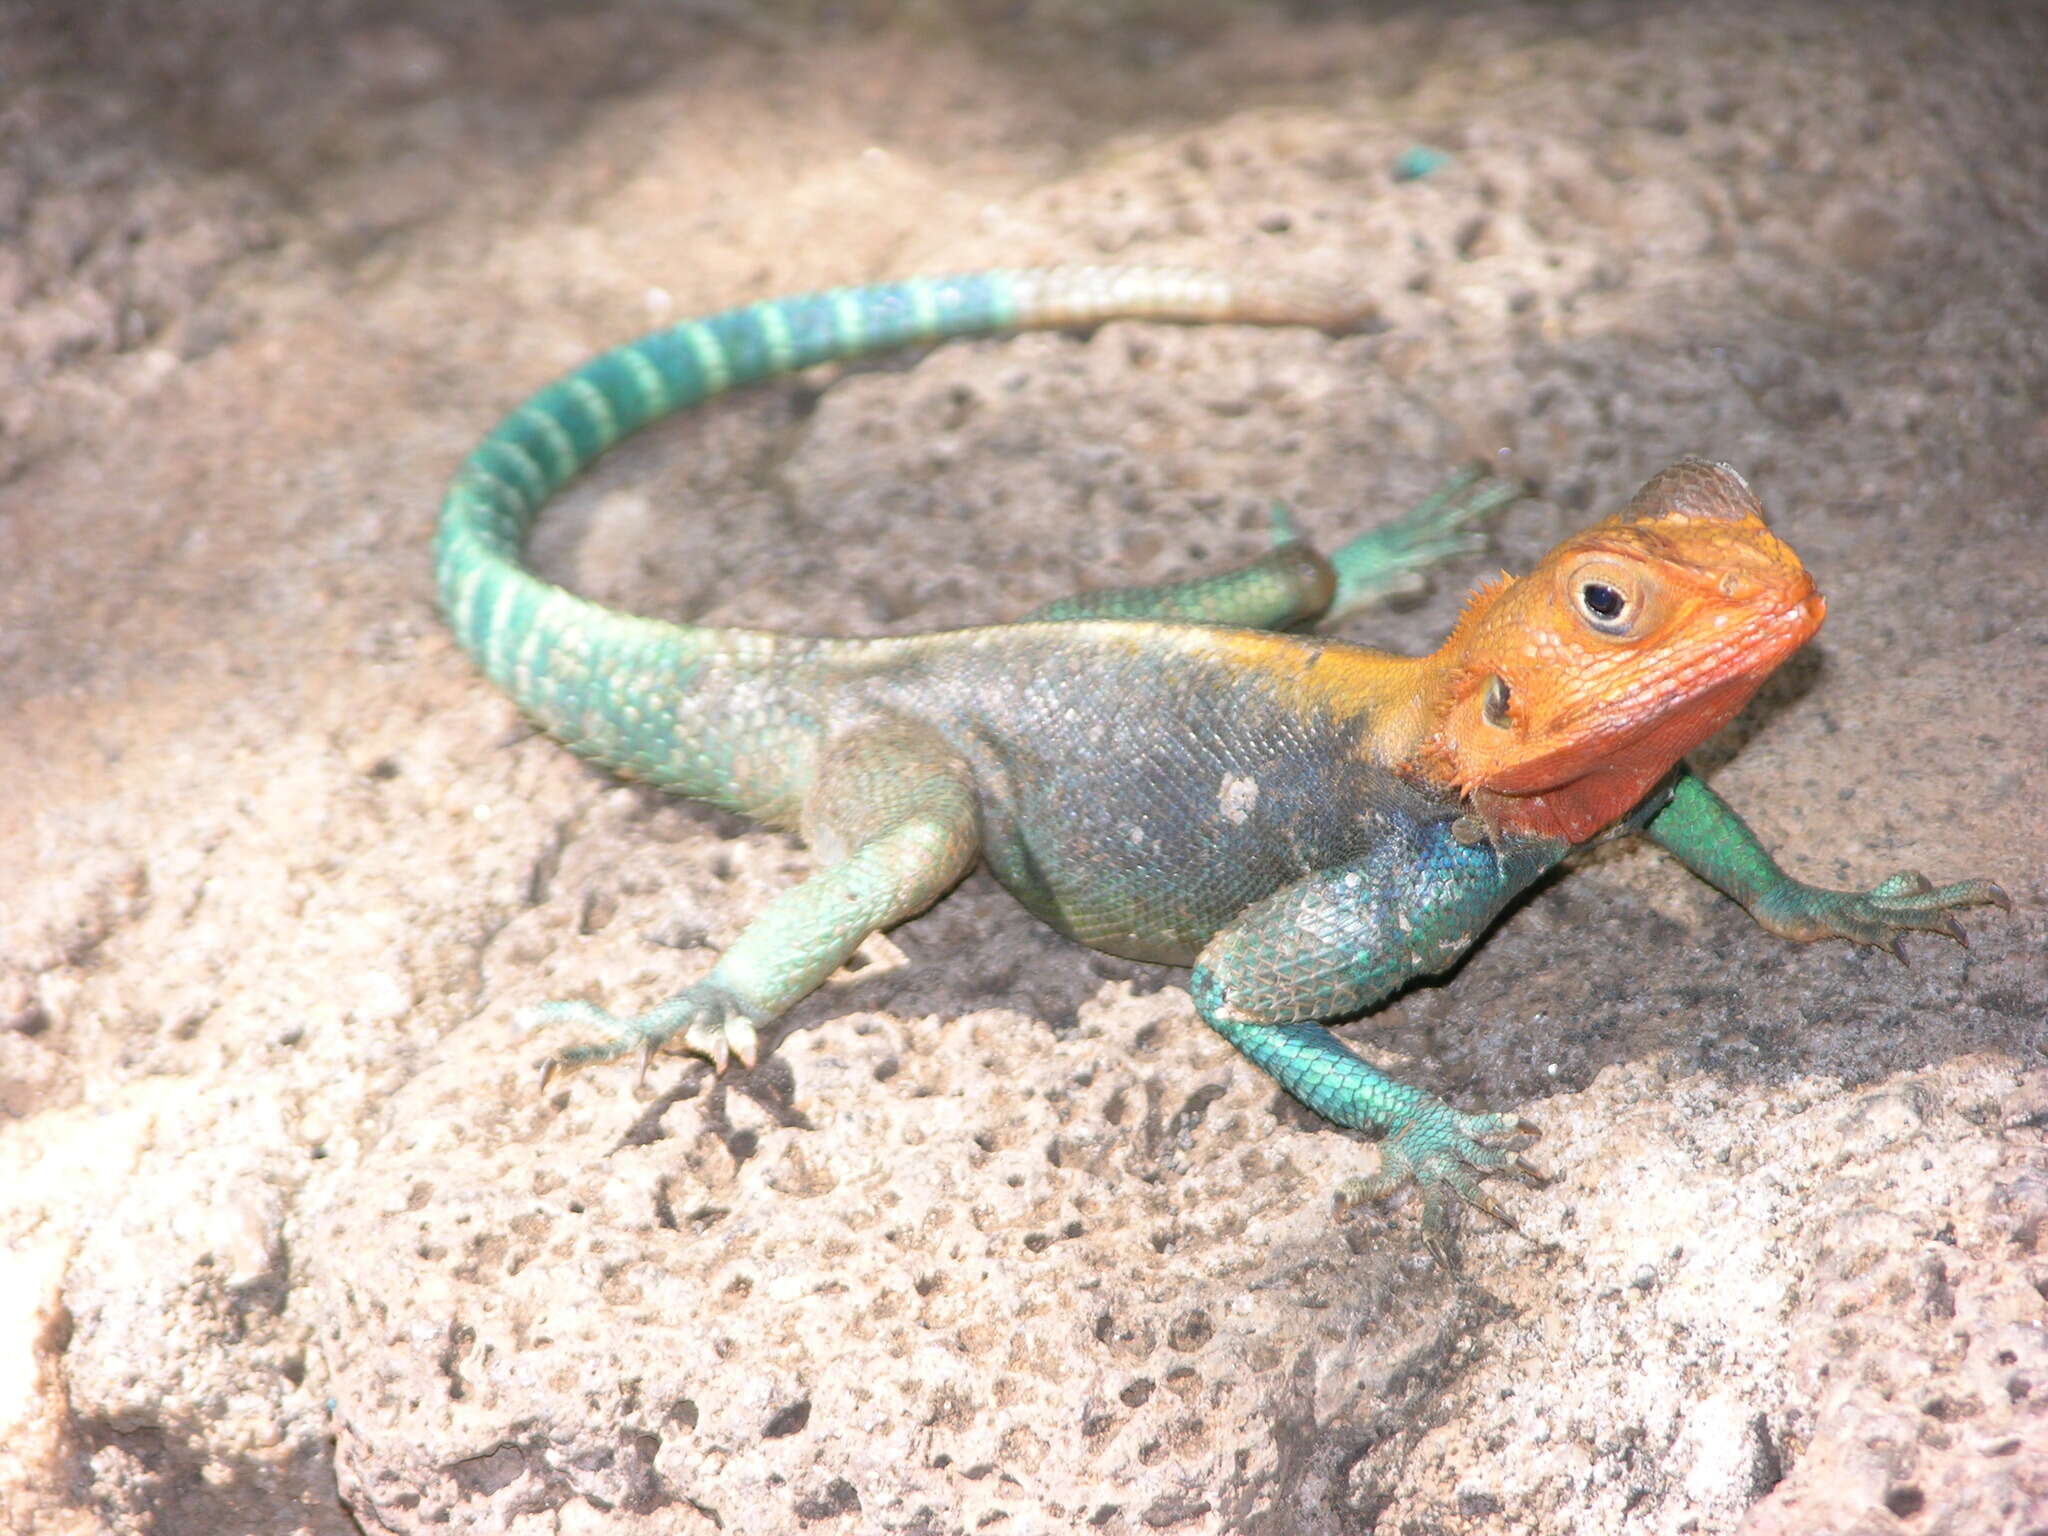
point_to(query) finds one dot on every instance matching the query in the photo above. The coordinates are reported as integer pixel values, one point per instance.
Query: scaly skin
(1162, 772)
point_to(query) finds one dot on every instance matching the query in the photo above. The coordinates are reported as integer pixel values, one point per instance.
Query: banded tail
(630, 692)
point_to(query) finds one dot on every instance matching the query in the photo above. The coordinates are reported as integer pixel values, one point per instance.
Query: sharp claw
(1354, 1192)
(746, 1042)
(1954, 930)
(547, 1073)
(1436, 1237)
(1527, 1127)
(1898, 949)
(646, 1064)
(1484, 1203)
(1529, 1173)
(1996, 896)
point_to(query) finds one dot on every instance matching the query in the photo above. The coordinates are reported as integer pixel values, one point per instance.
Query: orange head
(1565, 695)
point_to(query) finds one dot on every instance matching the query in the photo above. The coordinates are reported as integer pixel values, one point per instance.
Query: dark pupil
(1602, 601)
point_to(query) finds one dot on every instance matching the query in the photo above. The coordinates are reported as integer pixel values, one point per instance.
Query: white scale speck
(1236, 798)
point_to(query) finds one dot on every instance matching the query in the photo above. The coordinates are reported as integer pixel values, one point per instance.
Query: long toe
(1448, 1156)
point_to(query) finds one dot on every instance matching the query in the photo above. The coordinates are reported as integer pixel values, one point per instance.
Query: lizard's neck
(1576, 811)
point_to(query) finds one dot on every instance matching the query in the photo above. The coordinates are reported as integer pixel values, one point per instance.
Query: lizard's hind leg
(1443, 526)
(893, 819)
(1284, 587)
(1292, 585)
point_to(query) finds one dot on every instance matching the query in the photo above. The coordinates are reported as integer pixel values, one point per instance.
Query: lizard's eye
(1493, 708)
(1605, 606)
(1610, 596)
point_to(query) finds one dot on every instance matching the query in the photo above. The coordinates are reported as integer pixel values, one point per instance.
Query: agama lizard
(1167, 773)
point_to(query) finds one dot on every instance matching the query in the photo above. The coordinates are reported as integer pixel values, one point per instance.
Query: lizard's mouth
(1808, 611)
(1771, 640)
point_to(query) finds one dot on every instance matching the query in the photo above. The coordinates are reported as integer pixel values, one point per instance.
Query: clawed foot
(1884, 914)
(1392, 558)
(706, 1019)
(1447, 1154)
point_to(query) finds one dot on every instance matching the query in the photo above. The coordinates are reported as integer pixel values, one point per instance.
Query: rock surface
(998, 1237)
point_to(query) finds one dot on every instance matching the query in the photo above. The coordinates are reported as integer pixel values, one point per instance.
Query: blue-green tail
(630, 692)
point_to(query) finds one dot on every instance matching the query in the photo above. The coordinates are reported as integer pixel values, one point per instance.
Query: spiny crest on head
(1704, 515)
(1482, 598)
(1694, 490)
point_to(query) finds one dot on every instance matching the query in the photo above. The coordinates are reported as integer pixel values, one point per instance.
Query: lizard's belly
(1138, 916)
(1149, 864)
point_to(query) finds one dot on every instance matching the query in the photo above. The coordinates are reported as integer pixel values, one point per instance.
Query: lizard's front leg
(1340, 940)
(893, 818)
(1705, 834)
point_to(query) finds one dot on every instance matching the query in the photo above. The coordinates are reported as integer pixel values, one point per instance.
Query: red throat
(1618, 779)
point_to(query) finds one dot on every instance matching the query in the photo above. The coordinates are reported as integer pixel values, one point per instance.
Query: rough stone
(996, 1237)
